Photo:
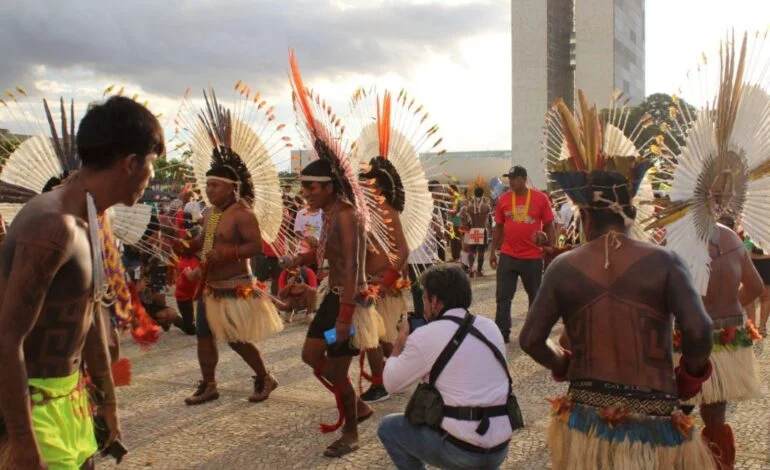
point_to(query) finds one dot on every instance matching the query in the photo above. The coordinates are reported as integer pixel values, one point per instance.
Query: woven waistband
(232, 283)
(726, 322)
(599, 394)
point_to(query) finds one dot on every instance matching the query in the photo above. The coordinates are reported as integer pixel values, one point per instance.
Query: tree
(7, 147)
(171, 174)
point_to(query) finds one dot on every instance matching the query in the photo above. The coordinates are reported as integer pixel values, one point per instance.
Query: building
(463, 167)
(559, 46)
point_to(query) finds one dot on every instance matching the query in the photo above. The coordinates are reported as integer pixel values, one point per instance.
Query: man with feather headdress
(345, 322)
(475, 219)
(617, 298)
(720, 180)
(51, 281)
(235, 307)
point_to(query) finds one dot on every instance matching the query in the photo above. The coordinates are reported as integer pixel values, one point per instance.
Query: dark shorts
(325, 319)
(202, 329)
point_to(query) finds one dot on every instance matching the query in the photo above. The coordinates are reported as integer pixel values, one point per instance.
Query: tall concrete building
(559, 46)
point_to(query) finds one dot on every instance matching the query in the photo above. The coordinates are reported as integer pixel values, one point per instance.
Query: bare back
(47, 255)
(618, 319)
(377, 261)
(729, 259)
(478, 211)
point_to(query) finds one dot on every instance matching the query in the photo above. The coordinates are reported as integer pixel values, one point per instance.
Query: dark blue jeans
(411, 447)
(508, 271)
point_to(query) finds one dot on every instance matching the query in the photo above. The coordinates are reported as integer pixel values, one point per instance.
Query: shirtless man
(47, 322)
(234, 309)
(342, 244)
(616, 297)
(384, 270)
(475, 217)
(733, 283)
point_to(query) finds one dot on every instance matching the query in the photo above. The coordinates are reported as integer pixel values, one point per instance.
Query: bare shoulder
(243, 213)
(46, 229)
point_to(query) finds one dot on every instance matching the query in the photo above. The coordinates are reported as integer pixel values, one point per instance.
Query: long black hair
(388, 181)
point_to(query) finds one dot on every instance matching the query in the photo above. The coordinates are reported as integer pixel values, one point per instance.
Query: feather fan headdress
(594, 163)
(239, 143)
(321, 130)
(390, 137)
(722, 165)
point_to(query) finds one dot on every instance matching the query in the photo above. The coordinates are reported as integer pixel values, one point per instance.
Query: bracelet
(688, 386)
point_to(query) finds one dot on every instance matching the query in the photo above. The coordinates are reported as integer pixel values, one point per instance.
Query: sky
(453, 55)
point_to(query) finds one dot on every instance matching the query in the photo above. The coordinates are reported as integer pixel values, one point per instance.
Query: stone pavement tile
(162, 432)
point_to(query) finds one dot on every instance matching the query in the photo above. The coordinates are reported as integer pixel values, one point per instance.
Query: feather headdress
(390, 135)
(242, 139)
(582, 150)
(722, 163)
(322, 130)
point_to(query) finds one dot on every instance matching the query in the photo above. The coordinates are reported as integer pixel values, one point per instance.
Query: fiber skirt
(391, 308)
(241, 316)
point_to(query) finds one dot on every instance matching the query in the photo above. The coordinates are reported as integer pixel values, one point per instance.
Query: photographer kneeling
(463, 414)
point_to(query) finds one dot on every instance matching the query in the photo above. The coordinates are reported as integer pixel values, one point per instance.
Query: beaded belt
(599, 394)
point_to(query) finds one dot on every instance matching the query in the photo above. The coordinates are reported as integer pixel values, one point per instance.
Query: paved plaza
(231, 433)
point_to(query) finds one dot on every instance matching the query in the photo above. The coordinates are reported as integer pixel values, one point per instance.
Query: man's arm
(37, 258)
(693, 321)
(541, 318)
(349, 231)
(97, 358)
(402, 249)
(405, 368)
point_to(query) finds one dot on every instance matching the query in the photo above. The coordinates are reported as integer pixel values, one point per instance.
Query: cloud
(164, 47)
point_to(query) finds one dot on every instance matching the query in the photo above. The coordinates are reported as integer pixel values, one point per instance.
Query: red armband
(687, 385)
(346, 312)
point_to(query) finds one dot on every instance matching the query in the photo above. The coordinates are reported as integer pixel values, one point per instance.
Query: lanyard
(514, 212)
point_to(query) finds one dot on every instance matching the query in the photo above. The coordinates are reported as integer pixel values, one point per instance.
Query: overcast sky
(454, 56)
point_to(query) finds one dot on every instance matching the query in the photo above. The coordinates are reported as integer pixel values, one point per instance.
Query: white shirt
(308, 224)
(194, 209)
(565, 214)
(473, 377)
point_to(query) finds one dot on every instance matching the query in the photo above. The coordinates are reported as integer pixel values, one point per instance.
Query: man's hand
(343, 331)
(403, 335)
(493, 260)
(540, 238)
(110, 415)
(24, 454)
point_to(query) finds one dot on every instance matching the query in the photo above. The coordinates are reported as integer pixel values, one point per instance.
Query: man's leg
(376, 392)
(507, 277)
(718, 434)
(531, 277)
(311, 298)
(764, 309)
(410, 447)
(480, 250)
(208, 356)
(264, 383)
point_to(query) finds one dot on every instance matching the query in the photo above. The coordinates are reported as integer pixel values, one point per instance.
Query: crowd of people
(646, 335)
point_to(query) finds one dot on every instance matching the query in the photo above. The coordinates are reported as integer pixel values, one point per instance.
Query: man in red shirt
(523, 232)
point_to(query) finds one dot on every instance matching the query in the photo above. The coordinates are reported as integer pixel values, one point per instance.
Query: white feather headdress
(248, 128)
(399, 132)
(721, 166)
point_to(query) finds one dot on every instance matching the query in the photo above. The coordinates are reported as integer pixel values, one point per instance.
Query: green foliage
(6, 148)
(171, 174)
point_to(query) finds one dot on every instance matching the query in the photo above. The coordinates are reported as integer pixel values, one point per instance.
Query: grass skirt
(735, 377)
(243, 318)
(588, 438)
(390, 308)
(369, 326)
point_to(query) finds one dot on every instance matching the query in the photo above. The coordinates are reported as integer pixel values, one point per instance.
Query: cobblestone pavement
(161, 432)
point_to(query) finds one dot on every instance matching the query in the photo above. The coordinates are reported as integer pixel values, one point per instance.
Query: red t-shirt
(517, 236)
(267, 250)
(185, 289)
(307, 274)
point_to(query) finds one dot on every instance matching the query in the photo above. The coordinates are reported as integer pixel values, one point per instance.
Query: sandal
(339, 449)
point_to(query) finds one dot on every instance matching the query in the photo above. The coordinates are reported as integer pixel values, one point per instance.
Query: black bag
(426, 406)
